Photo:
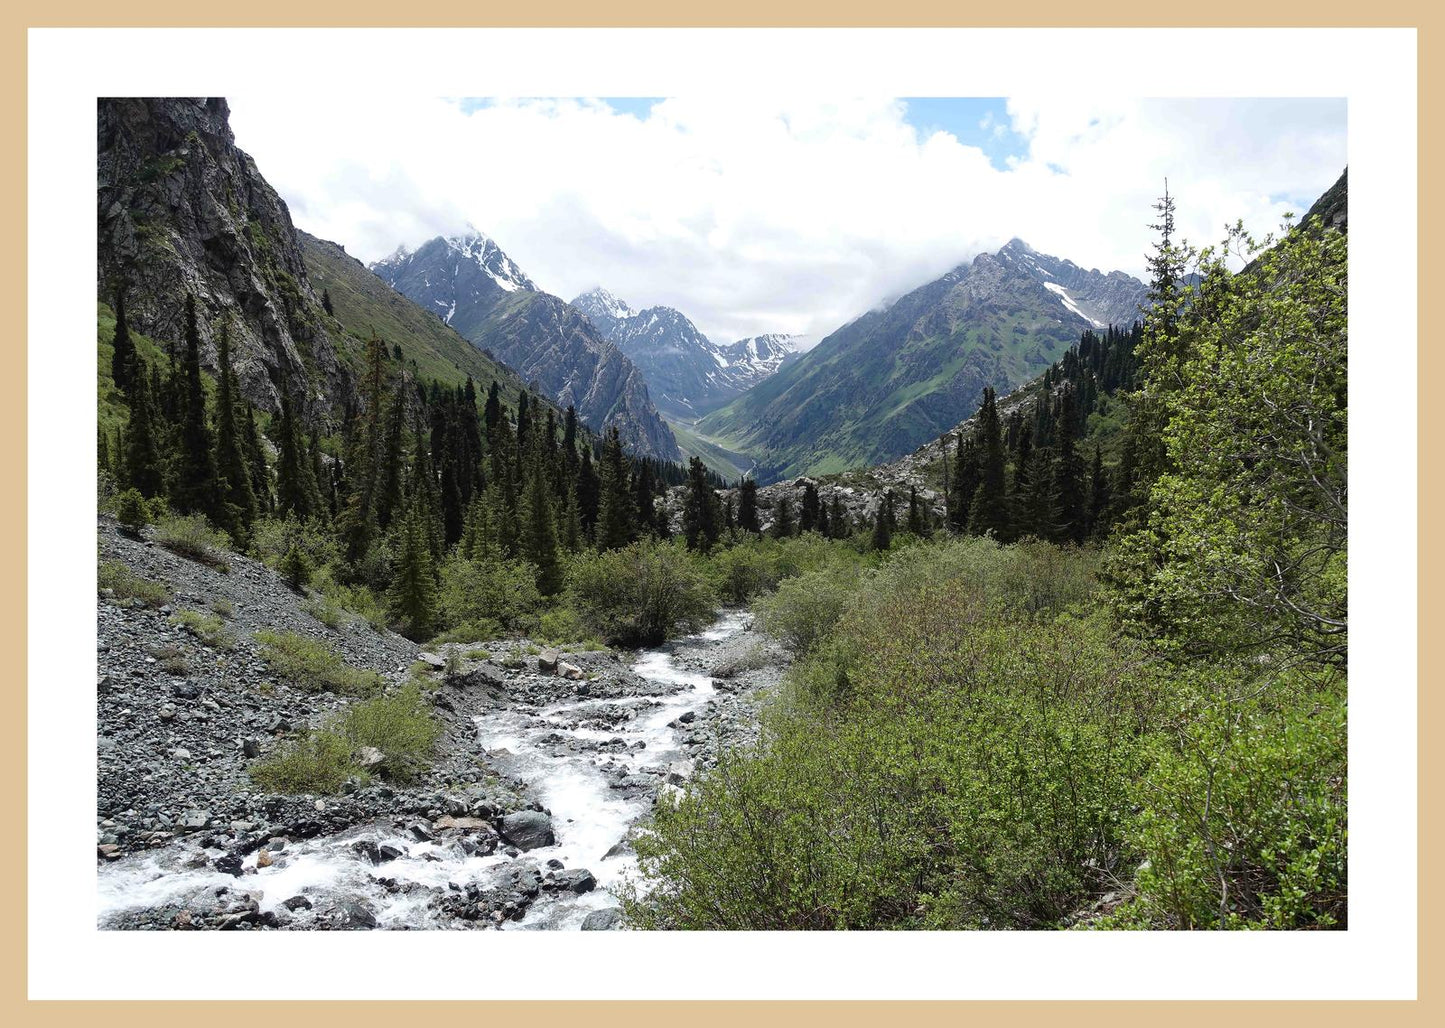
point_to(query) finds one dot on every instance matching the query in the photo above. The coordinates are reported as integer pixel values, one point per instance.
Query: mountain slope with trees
(894, 378)
(470, 284)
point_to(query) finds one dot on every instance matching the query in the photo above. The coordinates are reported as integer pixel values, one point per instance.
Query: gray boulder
(528, 829)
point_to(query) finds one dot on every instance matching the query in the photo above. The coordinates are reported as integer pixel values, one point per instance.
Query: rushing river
(590, 818)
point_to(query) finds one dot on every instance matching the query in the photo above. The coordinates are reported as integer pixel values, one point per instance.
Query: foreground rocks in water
(528, 829)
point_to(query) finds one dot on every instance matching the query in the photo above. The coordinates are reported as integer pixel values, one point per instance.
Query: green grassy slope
(364, 303)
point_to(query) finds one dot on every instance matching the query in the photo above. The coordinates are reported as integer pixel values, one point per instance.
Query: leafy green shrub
(132, 511)
(126, 586)
(641, 594)
(561, 625)
(224, 607)
(804, 609)
(357, 599)
(756, 565)
(208, 628)
(272, 539)
(487, 589)
(328, 613)
(315, 762)
(1243, 813)
(400, 724)
(192, 536)
(314, 666)
(967, 766)
(478, 654)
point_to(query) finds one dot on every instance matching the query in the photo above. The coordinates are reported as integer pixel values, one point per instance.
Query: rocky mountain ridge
(688, 373)
(469, 283)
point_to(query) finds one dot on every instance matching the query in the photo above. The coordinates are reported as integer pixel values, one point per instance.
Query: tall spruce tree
(838, 521)
(783, 519)
(883, 523)
(699, 511)
(615, 514)
(124, 361)
(808, 509)
(238, 498)
(539, 528)
(1069, 477)
(195, 489)
(748, 507)
(144, 464)
(917, 523)
(413, 592)
(988, 507)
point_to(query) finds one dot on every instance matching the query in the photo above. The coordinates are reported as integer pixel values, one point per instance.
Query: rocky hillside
(897, 377)
(181, 210)
(188, 704)
(688, 374)
(471, 285)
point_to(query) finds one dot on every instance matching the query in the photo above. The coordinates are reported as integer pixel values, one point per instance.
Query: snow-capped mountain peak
(687, 373)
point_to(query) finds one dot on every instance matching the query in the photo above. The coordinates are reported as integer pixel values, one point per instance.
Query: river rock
(604, 920)
(528, 829)
(548, 660)
(570, 671)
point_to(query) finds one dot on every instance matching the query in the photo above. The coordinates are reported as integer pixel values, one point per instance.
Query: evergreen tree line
(423, 470)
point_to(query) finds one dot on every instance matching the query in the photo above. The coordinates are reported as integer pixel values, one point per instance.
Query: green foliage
(127, 587)
(132, 510)
(1243, 543)
(641, 594)
(1243, 813)
(312, 665)
(224, 607)
(805, 609)
(296, 568)
(502, 593)
(319, 762)
(190, 535)
(400, 724)
(971, 774)
(210, 629)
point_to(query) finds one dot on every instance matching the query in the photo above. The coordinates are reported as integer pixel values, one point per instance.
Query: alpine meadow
(1015, 597)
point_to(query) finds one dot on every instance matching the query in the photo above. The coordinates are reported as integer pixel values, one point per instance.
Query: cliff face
(181, 210)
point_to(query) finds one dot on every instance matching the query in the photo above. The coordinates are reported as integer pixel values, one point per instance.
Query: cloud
(759, 215)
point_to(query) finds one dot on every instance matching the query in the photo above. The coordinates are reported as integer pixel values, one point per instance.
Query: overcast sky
(755, 216)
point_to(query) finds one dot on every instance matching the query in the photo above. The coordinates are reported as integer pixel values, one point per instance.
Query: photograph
(717, 512)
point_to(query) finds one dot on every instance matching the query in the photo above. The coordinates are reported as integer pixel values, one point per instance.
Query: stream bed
(594, 766)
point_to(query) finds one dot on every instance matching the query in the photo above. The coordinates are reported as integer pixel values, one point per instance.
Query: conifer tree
(238, 498)
(838, 518)
(699, 509)
(1019, 491)
(783, 520)
(966, 477)
(1098, 526)
(195, 487)
(614, 504)
(572, 533)
(988, 508)
(295, 485)
(808, 511)
(326, 303)
(1069, 481)
(144, 469)
(256, 463)
(917, 523)
(883, 524)
(124, 361)
(748, 507)
(412, 596)
(539, 534)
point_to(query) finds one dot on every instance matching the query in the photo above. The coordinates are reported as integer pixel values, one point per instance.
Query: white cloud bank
(754, 215)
